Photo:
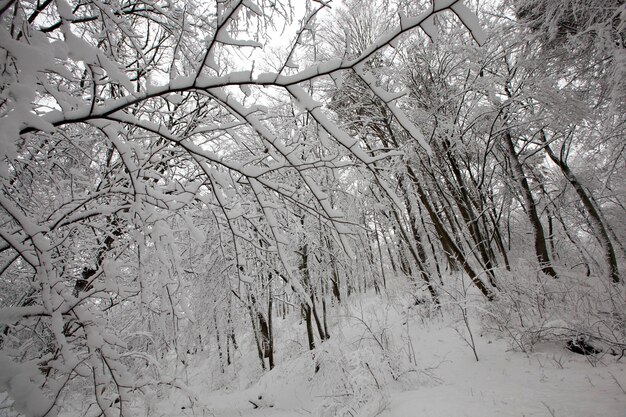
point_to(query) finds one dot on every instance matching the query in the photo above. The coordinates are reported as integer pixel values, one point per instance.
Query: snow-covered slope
(389, 358)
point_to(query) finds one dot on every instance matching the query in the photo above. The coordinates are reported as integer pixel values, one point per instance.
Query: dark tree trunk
(335, 282)
(270, 333)
(446, 241)
(318, 322)
(594, 214)
(497, 236)
(264, 341)
(256, 336)
(307, 308)
(325, 318)
(380, 254)
(464, 204)
(541, 250)
(309, 326)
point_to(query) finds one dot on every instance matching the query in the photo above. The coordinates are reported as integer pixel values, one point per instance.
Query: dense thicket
(175, 178)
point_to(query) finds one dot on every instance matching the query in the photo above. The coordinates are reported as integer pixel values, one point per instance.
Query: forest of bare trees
(178, 176)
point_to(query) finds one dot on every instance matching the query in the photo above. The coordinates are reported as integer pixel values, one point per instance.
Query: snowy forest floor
(387, 357)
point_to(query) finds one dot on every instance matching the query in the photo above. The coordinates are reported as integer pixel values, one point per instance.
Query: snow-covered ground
(385, 359)
(549, 382)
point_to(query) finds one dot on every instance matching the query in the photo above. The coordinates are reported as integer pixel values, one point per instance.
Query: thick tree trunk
(306, 308)
(335, 282)
(256, 337)
(309, 326)
(318, 322)
(264, 341)
(541, 250)
(594, 214)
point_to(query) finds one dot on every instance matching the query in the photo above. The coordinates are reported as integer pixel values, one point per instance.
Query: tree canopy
(172, 170)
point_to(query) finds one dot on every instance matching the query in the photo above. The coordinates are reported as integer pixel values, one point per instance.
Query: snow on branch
(120, 127)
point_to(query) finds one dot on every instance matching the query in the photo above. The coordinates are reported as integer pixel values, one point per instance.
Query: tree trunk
(423, 273)
(380, 255)
(464, 204)
(309, 326)
(594, 214)
(431, 245)
(335, 283)
(270, 332)
(304, 270)
(446, 241)
(325, 318)
(497, 236)
(318, 322)
(219, 344)
(256, 336)
(541, 250)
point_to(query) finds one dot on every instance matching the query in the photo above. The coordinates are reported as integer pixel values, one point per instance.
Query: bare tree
(160, 109)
